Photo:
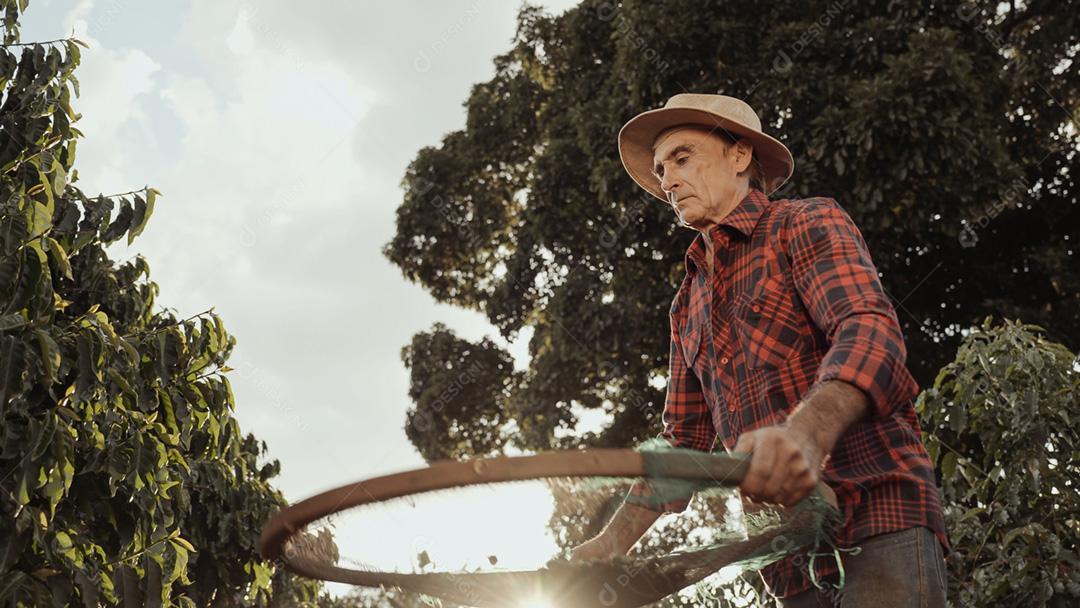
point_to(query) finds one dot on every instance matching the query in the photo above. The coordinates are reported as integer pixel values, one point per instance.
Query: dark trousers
(898, 570)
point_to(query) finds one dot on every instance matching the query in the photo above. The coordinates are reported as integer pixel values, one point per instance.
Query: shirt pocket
(690, 340)
(770, 324)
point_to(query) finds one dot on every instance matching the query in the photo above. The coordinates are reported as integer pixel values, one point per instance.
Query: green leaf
(41, 215)
(59, 175)
(89, 374)
(933, 447)
(120, 380)
(22, 492)
(143, 210)
(972, 512)
(12, 379)
(72, 48)
(165, 486)
(60, 256)
(1011, 535)
(129, 350)
(121, 224)
(161, 358)
(41, 436)
(262, 576)
(54, 489)
(166, 406)
(183, 543)
(14, 230)
(948, 466)
(64, 545)
(12, 321)
(180, 562)
(958, 416)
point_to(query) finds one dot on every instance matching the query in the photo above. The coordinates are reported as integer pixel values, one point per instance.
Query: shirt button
(731, 406)
(756, 308)
(724, 360)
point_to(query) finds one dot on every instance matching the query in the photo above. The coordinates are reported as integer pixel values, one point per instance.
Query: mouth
(678, 203)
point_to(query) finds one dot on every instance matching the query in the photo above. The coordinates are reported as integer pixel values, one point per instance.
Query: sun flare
(536, 602)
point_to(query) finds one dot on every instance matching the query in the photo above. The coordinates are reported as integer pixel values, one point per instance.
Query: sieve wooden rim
(722, 469)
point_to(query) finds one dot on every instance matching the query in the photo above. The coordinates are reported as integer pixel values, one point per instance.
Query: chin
(693, 221)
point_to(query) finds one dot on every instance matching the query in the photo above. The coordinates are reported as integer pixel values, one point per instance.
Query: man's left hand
(784, 465)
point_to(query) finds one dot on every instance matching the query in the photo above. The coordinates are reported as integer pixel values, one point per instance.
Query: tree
(946, 130)
(457, 403)
(124, 477)
(1001, 427)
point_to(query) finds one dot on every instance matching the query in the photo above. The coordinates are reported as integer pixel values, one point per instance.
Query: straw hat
(712, 111)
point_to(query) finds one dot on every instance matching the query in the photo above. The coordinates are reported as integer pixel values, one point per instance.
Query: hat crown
(728, 107)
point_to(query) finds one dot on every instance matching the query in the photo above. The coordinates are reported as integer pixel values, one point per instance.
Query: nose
(669, 184)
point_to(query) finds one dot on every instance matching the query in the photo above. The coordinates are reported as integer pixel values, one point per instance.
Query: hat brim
(638, 134)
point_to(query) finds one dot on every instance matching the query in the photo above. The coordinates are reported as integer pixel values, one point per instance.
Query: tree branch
(70, 38)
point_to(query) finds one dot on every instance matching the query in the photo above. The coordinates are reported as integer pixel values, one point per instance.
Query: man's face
(698, 171)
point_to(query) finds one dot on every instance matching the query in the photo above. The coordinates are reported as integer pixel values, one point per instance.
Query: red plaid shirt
(795, 301)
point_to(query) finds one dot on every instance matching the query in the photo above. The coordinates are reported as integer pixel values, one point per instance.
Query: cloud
(279, 141)
(281, 220)
(114, 87)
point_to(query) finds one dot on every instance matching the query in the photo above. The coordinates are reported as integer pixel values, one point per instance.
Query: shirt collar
(743, 218)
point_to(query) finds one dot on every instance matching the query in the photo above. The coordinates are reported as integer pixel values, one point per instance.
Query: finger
(761, 463)
(745, 444)
(782, 469)
(802, 478)
(799, 483)
(748, 444)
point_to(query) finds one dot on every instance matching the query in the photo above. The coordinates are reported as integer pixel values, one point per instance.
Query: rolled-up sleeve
(687, 422)
(839, 286)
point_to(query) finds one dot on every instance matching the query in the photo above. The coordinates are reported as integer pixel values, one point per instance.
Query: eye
(681, 160)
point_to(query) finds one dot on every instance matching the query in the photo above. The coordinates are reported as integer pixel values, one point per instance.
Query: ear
(744, 152)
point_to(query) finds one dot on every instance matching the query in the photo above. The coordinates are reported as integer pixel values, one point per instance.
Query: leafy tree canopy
(947, 130)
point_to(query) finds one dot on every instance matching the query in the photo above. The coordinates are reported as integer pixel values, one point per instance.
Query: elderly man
(784, 345)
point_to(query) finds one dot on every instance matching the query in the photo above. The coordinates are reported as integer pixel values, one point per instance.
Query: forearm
(628, 525)
(827, 412)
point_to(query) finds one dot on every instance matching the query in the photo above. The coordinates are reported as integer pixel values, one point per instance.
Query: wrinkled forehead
(679, 134)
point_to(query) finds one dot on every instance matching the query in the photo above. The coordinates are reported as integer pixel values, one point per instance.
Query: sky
(279, 138)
